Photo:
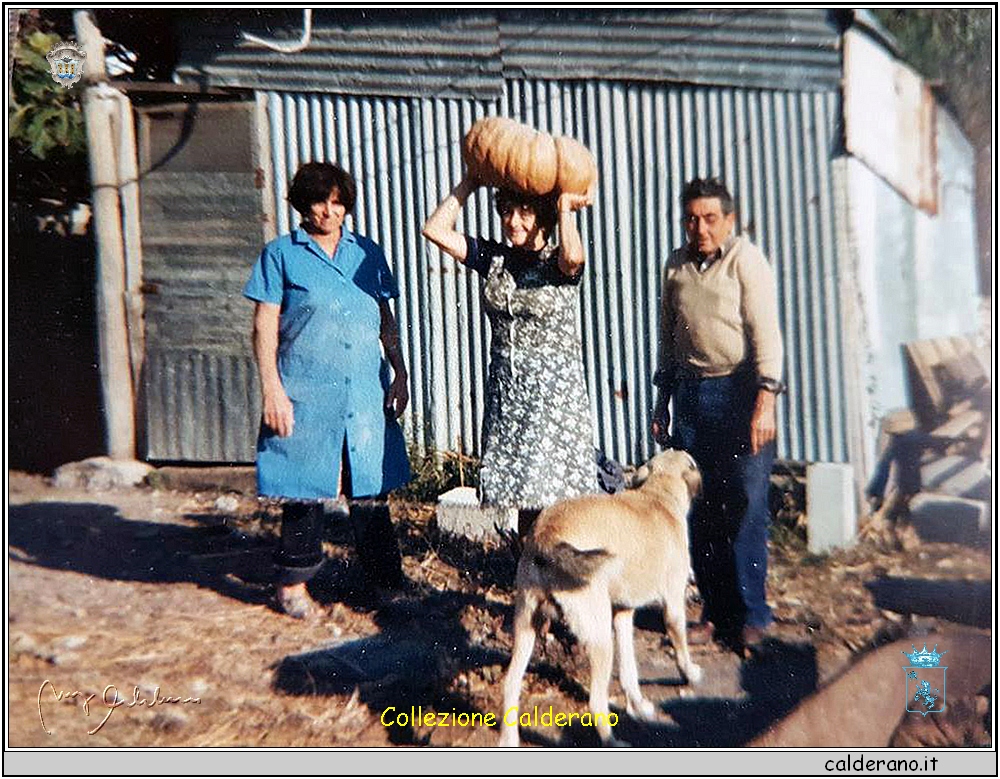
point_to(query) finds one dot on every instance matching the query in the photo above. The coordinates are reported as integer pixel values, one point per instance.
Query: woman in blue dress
(324, 337)
(537, 438)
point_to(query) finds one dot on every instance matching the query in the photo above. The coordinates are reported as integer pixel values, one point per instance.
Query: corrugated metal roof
(455, 53)
(774, 49)
(406, 53)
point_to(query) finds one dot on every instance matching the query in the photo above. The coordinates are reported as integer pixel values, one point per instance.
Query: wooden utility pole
(112, 321)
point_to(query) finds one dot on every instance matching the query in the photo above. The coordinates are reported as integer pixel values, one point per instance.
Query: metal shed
(660, 96)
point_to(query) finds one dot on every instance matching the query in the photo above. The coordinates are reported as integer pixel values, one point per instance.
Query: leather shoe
(296, 603)
(700, 633)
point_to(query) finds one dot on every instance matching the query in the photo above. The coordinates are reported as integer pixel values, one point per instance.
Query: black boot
(376, 544)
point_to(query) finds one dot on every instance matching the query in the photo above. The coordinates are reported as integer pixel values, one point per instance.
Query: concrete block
(459, 513)
(830, 506)
(97, 474)
(947, 519)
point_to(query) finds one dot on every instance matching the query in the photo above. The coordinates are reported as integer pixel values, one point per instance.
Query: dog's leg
(588, 615)
(525, 605)
(636, 705)
(676, 621)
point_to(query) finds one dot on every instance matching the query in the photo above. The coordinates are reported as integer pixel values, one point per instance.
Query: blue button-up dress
(332, 368)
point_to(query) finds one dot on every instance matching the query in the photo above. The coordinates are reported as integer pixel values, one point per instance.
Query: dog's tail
(567, 567)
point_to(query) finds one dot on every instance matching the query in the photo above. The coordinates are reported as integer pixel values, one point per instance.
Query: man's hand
(661, 424)
(763, 423)
(278, 412)
(398, 396)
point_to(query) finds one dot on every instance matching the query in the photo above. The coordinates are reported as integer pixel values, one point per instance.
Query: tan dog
(598, 558)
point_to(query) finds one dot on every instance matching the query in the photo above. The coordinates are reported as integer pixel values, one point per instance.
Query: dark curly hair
(545, 207)
(712, 187)
(314, 182)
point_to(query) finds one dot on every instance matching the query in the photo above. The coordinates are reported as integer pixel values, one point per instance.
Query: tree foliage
(47, 140)
(952, 46)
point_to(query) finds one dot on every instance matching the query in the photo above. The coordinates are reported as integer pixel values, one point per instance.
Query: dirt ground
(162, 597)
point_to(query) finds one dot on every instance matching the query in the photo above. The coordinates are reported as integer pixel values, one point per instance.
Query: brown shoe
(296, 603)
(700, 633)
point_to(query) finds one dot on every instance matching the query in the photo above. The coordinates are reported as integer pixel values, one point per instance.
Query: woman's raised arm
(571, 255)
(440, 226)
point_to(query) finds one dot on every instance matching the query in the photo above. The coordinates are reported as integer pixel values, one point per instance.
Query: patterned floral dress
(538, 442)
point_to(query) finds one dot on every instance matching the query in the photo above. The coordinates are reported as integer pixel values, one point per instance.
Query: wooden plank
(973, 481)
(967, 424)
(923, 389)
(939, 470)
(939, 371)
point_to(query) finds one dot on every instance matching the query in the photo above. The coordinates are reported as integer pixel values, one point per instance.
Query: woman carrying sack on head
(537, 435)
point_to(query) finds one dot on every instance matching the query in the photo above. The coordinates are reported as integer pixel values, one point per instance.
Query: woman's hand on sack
(570, 201)
(470, 183)
(278, 412)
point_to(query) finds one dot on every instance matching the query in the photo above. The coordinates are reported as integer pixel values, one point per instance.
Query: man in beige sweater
(720, 361)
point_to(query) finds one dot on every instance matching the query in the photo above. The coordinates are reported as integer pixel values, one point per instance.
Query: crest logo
(66, 63)
(925, 681)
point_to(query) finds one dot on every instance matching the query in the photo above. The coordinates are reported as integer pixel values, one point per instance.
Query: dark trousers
(904, 450)
(300, 552)
(729, 521)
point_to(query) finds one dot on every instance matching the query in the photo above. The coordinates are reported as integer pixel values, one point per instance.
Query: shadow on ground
(94, 539)
(965, 602)
(774, 679)
(423, 647)
(411, 664)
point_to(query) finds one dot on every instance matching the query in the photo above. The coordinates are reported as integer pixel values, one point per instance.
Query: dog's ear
(692, 476)
(640, 476)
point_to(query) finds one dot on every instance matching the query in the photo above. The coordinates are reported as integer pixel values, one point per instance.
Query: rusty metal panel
(889, 120)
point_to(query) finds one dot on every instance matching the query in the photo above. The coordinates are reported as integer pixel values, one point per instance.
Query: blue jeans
(729, 521)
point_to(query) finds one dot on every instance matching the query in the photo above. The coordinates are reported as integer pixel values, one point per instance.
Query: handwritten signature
(111, 700)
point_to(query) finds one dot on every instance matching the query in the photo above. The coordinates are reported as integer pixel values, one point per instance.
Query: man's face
(706, 226)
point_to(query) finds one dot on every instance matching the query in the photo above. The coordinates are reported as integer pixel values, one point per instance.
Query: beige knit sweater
(716, 320)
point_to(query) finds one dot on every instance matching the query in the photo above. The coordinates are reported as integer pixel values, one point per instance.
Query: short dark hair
(712, 187)
(314, 182)
(545, 207)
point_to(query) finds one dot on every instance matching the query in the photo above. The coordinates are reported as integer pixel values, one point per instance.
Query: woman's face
(327, 216)
(520, 226)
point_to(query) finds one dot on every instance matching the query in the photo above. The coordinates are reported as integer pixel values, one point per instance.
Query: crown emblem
(66, 63)
(923, 658)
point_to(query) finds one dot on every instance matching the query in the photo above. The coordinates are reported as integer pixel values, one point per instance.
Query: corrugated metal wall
(774, 148)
